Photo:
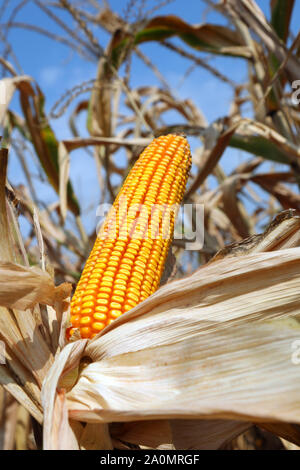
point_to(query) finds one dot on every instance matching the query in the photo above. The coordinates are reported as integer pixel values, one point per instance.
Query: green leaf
(281, 13)
(207, 37)
(281, 17)
(260, 146)
(215, 39)
(43, 139)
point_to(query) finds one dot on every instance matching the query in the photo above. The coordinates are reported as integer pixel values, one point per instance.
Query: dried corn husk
(216, 345)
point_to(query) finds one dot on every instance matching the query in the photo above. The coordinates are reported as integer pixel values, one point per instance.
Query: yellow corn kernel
(127, 261)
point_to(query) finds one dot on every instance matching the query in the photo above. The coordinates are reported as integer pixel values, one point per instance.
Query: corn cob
(127, 260)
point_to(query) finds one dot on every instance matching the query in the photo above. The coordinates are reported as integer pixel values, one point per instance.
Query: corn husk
(215, 345)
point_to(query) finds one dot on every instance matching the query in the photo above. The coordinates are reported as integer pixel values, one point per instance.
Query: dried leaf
(95, 437)
(216, 141)
(64, 169)
(283, 232)
(76, 143)
(7, 88)
(6, 253)
(206, 37)
(62, 436)
(288, 431)
(146, 434)
(287, 198)
(194, 349)
(178, 434)
(22, 287)
(205, 434)
(44, 140)
(72, 353)
(249, 12)
(232, 207)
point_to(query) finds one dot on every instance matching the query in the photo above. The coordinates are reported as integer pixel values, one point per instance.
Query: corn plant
(112, 341)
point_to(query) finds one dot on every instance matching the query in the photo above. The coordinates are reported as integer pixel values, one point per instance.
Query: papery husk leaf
(215, 345)
(27, 395)
(190, 380)
(22, 287)
(27, 358)
(96, 436)
(205, 434)
(71, 354)
(24, 345)
(58, 322)
(178, 434)
(28, 355)
(62, 436)
(156, 434)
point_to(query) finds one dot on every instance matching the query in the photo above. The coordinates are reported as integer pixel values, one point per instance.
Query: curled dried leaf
(198, 348)
(22, 287)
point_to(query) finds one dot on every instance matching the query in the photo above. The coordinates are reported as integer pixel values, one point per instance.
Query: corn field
(191, 340)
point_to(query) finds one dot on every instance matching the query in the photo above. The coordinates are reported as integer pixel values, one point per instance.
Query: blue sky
(57, 69)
